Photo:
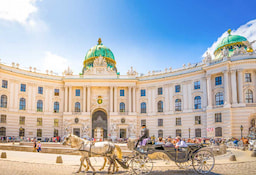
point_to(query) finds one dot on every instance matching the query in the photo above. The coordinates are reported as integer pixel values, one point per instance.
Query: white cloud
(55, 63)
(21, 11)
(247, 30)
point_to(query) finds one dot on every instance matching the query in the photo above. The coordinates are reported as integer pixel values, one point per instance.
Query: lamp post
(189, 132)
(241, 128)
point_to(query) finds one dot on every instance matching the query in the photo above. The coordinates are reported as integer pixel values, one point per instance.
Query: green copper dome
(230, 40)
(98, 50)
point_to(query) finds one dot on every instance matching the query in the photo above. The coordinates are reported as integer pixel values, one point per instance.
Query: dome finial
(99, 41)
(229, 31)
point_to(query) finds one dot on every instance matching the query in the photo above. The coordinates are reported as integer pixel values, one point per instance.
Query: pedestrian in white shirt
(180, 143)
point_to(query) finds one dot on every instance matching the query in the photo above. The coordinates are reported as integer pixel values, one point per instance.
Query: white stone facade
(102, 83)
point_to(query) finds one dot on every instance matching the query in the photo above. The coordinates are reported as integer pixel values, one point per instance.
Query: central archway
(99, 120)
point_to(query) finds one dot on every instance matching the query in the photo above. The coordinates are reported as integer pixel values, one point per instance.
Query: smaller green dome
(98, 50)
(230, 39)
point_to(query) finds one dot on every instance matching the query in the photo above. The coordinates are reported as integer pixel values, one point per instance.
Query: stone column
(234, 87)
(66, 99)
(171, 91)
(88, 99)
(70, 99)
(84, 98)
(226, 88)
(166, 98)
(154, 103)
(204, 98)
(115, 99)
(185, 97)
(209, 91)
(130, 99)
(133, 99)
(240, 86)
(149, 95)
(111, 98)
(189, 95)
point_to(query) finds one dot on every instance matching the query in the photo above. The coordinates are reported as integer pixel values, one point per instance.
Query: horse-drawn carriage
(196, 155)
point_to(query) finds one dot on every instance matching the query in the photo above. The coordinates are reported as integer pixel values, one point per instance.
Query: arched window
(178, 132)
(122, 107)
(178, 105)
(198, 132)
(56, 107)
(160, 106)
(249, 96)
(218, 132)
(39, 106)
(160, 133)
(3, 101)
(143, 107)
(219, 98)
(77, 107)
(21, 132)
(22, 104)
(197, 102)
(2, 131)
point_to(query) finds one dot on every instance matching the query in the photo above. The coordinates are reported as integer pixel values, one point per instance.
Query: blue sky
(145, 34)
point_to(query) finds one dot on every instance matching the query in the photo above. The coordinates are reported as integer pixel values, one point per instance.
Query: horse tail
(118, 151)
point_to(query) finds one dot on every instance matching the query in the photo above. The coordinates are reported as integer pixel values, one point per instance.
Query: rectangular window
(160, 91)
(160, 122)
(198, 132)
(3, 119)
(248, 77)
(40, 90)
(197, 85)
(178, 132)
(122, 92)
(143, 122)
(56, 92)
(56, 133)
(39, 121)
(78, 92)
(39, 133)
(23, 88)
(178, 121)
(22, 120)
(218, 117)
(142, 92)
(198, 120)
(21, 132)
(177, 88)
(218, 81)
(56, 122)
(4, 83)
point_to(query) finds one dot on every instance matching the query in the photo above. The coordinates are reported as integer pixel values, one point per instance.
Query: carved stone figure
(85, 131)
(225, 52)
(242, 50)
(252, 129)
(132, 72)
(236, 50)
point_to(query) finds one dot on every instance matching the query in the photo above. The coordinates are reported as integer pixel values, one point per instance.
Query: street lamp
(241, 128)
(189, 132)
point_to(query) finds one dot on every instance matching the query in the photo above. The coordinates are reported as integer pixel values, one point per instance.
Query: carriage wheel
(184, 165)
(203, 161)
(141, 164)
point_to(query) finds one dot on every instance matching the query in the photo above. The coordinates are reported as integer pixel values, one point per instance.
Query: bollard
(232, 158)
(59, 159)
(3, 155)
(253, 153)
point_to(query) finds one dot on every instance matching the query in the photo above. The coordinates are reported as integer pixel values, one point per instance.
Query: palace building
(213, 98)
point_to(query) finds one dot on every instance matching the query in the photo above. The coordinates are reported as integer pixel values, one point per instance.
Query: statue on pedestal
(252, 129)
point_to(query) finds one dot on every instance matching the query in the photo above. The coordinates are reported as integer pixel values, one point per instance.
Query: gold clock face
(99, 101)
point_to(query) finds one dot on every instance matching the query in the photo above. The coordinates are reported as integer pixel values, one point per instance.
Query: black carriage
(196, 155)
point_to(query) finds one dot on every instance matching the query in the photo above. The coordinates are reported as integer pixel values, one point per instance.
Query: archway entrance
(99, 123)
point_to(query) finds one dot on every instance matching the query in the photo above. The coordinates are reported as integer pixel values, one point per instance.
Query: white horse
(89, 149)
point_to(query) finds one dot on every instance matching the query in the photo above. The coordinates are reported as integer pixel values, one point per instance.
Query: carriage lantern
(241, 128)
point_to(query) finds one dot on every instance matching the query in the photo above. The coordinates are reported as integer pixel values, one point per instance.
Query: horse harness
(91, 144)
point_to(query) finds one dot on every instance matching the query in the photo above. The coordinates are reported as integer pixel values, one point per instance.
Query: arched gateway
(99, 124)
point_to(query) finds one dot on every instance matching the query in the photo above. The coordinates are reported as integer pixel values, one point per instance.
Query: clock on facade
(76, 120)
(123, 120)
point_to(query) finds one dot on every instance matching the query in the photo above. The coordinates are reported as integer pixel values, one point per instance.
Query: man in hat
(145, 134)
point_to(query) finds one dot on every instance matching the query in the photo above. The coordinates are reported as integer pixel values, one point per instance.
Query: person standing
(34, 146)
(39, 146)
